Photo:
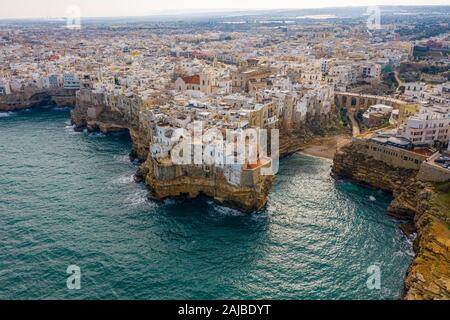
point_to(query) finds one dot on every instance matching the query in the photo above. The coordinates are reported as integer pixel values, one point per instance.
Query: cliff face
(29, 99)
(296, 138)
(244, 198)
(429, 275)
(247, 198)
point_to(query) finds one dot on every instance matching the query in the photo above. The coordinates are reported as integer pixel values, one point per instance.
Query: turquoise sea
(69, 198)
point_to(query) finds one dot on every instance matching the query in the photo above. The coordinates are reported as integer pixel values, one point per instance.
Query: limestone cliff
(295, 139)
(33, 98)
(423, 202)
(245, 198)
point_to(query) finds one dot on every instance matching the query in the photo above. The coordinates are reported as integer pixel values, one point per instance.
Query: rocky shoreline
(423, 203)
(32, 98)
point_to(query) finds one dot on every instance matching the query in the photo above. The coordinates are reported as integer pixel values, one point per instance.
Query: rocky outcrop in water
(168, 180)
(246, 190)
(422, 202)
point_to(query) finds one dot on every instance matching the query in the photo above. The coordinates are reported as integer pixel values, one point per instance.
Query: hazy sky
(107, 8)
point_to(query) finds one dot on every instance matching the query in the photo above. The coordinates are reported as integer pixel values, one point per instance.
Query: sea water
(69, 199)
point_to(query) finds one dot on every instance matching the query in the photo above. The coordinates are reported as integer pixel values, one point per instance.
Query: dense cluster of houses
(263, 79)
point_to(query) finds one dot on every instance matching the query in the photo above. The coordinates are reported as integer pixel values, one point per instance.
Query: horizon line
(177, 12)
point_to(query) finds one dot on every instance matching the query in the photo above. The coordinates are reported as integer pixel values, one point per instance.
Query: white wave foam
(409, 250)
(125, 179)
(170, 201)
(410, 253)
(60, 108)
(71, 129)
(123, 159)
(6, 114)
(372, 198)
(97, 135)
(411, 238)
(225, 211)
(137, 199)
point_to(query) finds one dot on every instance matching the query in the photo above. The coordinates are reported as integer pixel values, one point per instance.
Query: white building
(342, 76)
(324, 66)
(45, 82)
(162, 142)
(311, 76)
(16, 85)
(224, 86)
(377, 114)
(53, 81)
(370, 70)
(202, 82)
(378, 108)
(4, 88)
(414, 89)
(71, 81)
(430, 126)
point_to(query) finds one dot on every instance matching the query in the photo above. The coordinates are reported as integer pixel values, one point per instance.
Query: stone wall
(405, 159)
(355, 102)
(392, 156)
(433, 173)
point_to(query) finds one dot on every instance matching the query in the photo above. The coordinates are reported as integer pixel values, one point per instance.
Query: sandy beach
(326, 147)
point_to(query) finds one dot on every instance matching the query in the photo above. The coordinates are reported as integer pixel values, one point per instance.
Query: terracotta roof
(253, 165)
(424, 152)
(192, 79)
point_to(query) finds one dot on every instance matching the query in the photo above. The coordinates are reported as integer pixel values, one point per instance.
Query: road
(400, 83)
(356, 131)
